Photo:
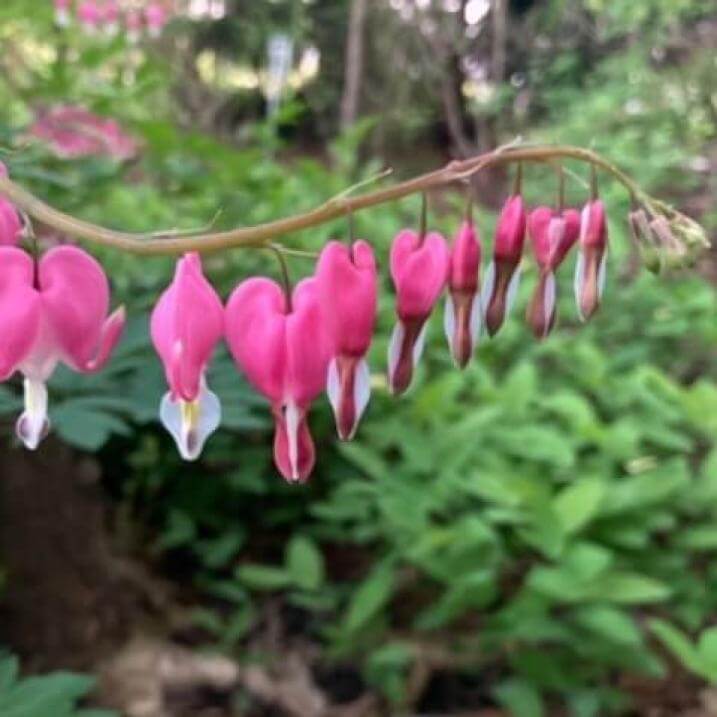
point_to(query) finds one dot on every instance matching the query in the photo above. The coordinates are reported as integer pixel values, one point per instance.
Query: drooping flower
(89, 14)
(10, 224)
(502, 278)
(111, 17)
(347, 285)
(282, 349)
(155, 16)
(592, 259)
(52, 312)
(133, 25)
(462, 320)
(419, 269)
(71, 131)
(63, 17)
(186, 325)
(552, 233)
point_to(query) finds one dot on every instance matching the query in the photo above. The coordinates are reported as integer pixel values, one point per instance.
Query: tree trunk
(68, 600)
(353, 71)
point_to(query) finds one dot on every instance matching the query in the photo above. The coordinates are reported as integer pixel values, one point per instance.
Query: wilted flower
(347, 284)
(186, 325)
(52, 312)
(419, 268)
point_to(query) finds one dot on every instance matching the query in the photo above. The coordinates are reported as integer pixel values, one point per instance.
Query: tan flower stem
(262, 234)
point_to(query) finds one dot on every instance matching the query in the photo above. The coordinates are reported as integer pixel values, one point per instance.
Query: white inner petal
(419, 345)
(333, 385)
(293, 419)
(362, 389)
(394, 349)
(33, 425)
(513, 287)
(602, 273)
(549, 300)
(488, 284)
(476, 322)
(449, 322)
(191, 423)
(579, 282)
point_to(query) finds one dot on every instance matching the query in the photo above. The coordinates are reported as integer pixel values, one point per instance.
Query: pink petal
(462, 324)
(500, 288)
(294, 452)
(419, 272)
(347, 284)
(465, 259)
(19, 309)
(308, 347)
(404, 353)
(186, 326)
(255, 328)
(510, 231)
(349, 389)
(541, 310)
(75, 300)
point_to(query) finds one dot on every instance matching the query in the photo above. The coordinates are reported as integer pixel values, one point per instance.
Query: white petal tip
(191, 424)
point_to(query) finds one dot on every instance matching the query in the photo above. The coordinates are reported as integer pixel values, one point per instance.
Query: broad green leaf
(370, 597)
(577, 504)
(520, 698)
(263, 577)
(305, 563)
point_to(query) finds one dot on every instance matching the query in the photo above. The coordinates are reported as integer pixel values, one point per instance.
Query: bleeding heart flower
(10, 224)
(502, 278)
(89, 14)
(284, 352)
(155, 16)
(186, 326)
(55, 311)
(553, 234)
(62, 13)
(111, 17)
(133, 25)
(592, 259)
(347, 286)
(462, 320)
(419, 269)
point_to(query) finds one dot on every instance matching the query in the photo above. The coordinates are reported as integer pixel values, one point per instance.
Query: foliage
(55, 694)
(539, 517)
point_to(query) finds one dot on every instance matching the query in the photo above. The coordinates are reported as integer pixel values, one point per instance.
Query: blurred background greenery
(533, 536)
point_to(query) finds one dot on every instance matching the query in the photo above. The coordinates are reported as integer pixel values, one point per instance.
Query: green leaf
(520, 698)
(678, 643)
(609, 623)
(305, 563)
(371, 596)
(707, 649)
(263, 577)
(577, 504)
(9, 668)
(624, 587)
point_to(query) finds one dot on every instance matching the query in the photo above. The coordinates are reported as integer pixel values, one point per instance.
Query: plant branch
(262, 234)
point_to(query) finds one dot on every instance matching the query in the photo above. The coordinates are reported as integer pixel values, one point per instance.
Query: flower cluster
(290, 345)
(70, 132)
(113, 16)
